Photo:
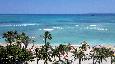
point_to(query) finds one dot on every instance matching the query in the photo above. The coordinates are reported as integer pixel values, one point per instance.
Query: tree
(110, 53)
(84, 46)
(45, 52)
(12, 54)
(19, 40)
(1, 53)
(100, 54)
(55, 53)
(23, 38)
(47, 36)
(10, 36)
(37, 53)
(14, 36)
(61, 50)
(78, 54)
(25, 55)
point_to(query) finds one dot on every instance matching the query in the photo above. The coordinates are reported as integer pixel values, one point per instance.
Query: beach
(31, 47)
(70, 57)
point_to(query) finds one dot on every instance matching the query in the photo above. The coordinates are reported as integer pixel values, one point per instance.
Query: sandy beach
(70, 57)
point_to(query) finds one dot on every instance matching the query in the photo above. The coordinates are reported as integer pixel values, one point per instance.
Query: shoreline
(32, 48)
(75, 45)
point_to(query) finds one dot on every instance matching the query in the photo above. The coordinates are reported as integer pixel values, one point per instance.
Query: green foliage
(14, 36)
(84, 46)
(24, 55)
(78, 54)
(60, 62)
(64, 48)
(44, 53)
(60, 50)
(23, 38)
(47, 36)
(10, 36)
(12, 53)
(101, 53)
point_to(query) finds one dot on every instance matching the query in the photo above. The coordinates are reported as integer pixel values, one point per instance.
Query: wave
(31, 24)
(76, 25)
(92, 25)
(97, 28)
(48, 29)
(57, 27)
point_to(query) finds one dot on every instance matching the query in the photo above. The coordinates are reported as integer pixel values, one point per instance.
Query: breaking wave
(16, 25)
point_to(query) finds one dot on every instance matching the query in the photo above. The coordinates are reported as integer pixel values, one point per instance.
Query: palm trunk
(79, 60)
(99, 61)
(111, 60)
(45, 62)
(59, 58)
(37, 60)
(20, 45)
(26, 44)
(68, 62)
(93, 61)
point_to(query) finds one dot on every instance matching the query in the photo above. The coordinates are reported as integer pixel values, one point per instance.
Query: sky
(56, 6)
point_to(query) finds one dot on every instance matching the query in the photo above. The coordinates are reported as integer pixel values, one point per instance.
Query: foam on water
(48, 29)
(92, 25)
(57, 27)
(31, 24)
(77, 25)
(96, 28)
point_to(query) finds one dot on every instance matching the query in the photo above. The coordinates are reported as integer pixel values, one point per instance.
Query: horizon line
(54, 14)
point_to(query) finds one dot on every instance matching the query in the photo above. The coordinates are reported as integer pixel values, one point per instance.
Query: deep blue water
(93, 28)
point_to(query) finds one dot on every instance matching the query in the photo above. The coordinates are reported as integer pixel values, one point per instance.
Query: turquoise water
(95, 29)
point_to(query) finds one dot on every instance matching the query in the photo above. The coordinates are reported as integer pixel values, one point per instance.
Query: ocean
(65, 28)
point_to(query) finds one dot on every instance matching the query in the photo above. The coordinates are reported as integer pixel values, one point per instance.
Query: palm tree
(45, 49)
(100, 54)
(37, 52)
(23, 38)
(78, 54)
(45, 52)
(110, 53)
(55, 53)
(84, 46)
(46, 36)
(10, 36)
(61, 50)
(92, 55)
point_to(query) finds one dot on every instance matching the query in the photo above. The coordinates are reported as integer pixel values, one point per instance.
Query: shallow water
(97, 29)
